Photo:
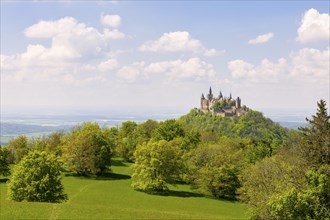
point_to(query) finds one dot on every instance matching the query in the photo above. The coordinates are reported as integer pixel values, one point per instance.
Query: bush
(37, 178)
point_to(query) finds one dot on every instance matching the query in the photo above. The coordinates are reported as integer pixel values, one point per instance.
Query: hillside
(253, 125)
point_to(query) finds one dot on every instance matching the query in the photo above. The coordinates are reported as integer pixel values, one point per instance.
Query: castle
(222, 106)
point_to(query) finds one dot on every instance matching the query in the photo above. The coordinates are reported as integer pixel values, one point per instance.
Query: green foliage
(18, 148)
(51, 143)
(312, 202)
(191, 140)
(156, 164)
(168, 130)
(294, 184)
(316, 137)
(267, 178)
(252, 125)
(145, 130)
(87, 149)
(218, 105)
(127, 140)
(4, 161)
(215, 169)
(37, 178)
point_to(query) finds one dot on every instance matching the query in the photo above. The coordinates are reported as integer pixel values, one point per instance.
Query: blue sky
(158, 55)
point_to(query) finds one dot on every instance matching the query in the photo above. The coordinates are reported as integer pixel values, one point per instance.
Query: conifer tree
(316, 137)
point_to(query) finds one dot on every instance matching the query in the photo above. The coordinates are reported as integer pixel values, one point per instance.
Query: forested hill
(253, 125)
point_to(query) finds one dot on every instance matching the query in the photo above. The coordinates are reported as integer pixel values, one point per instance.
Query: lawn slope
(111, 197)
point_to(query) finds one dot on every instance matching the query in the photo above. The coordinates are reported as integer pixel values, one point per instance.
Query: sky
(160, 56)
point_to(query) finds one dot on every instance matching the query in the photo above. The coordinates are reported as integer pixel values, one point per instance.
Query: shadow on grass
(183, 194)
(118, 163)
(105, 176)
(3, 180)
(113, 176)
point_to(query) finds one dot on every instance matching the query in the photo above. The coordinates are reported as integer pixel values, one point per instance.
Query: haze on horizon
(143, 56)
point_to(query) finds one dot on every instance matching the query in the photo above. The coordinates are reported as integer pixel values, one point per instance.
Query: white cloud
(108, 65)
(132, 73)
(262, 38)
(78, 54)
(177, 41)
(311, 65)
(314, 27)
(213, 53)
(307, 65)
(114, 34)
(113, 21)
(265, 71)
(194, 69)
(69, 39)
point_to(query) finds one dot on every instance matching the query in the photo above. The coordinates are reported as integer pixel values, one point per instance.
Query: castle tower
(220, 95)
(230, 97)
(204, 103)
(210, 95)
(238, 102)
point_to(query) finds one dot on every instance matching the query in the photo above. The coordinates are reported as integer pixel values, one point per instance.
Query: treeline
(280, 173)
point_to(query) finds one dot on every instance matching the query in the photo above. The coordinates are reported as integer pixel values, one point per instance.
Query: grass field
(111, 197)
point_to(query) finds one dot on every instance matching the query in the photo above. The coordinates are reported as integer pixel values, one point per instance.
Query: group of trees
(280, 173)
(294, 183)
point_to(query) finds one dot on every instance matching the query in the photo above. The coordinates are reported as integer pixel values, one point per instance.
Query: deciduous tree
(37, 178)
(87, 150)
(156, 164)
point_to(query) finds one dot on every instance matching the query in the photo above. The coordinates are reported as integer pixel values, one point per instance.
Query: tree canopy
(4, 161)
(37, 178)
(87, 150)
(157, 163)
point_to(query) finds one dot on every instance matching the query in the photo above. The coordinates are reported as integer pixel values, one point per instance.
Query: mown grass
(111, 197)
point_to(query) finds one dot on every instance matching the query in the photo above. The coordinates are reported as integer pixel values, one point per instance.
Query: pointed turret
(210, 95)
(202, 96)
(220, 95)
(230, 96)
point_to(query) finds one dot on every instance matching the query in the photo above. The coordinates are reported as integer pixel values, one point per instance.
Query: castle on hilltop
(222, 106)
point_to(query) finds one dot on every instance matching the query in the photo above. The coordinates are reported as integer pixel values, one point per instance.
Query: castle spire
(230, 96)
(220, 95)
(202, 96)
(210, 95)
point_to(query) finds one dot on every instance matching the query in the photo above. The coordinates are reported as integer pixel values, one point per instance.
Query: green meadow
(111, 197)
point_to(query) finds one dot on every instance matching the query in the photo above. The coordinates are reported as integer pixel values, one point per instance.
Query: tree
(215, 169)
(51, 143)
(87, 150)
(37, 178)
(168, 130)
(127, 140)
(156, 164)
(315, 144)
(18, 148)
(4, 161)
(218, 105)
(270, 178)
(295, 183)
(312, 202)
